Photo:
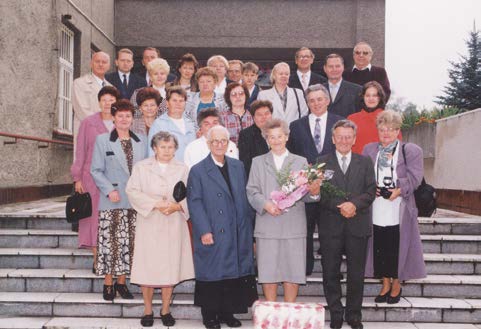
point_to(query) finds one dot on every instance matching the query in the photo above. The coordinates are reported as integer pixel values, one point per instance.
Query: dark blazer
(225, 212)
(294, 81)
(375, 74)
(135, 82)
(251, 144)
(253, 96)
(347, 99)
(360, 184)
(301, 141)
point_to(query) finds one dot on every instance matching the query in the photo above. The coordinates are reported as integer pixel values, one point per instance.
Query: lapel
(327, 144)
(352, 172)
(119, 152)
(170, 170)
(269, 164)
(307, 130)
(340, 92)
(99, 124)
(255, 92)
(215, 175)
(232, 168)
(276, 102)
(339, 178)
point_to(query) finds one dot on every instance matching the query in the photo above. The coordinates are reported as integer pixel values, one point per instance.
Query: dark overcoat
(224, 212)
(411, 262)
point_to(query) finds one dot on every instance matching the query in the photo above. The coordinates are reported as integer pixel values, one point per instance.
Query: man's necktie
(317, 135)
(124, 82)
(344, 164)
(304, 81)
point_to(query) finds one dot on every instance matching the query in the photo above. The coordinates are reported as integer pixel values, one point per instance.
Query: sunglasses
(365, 53)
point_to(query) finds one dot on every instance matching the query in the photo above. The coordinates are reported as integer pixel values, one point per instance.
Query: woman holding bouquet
(280, 233)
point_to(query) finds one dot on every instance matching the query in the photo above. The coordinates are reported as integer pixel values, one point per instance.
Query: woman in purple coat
(395, 251)
(90, 128)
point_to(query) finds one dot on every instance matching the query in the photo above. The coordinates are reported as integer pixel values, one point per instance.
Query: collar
(99, 81)
(339, 156)
(121, 74)
(282, 156)
(335, 85)
(313, 117)
(217, 163)
(368, 67)
(308, 73)
(114, 135)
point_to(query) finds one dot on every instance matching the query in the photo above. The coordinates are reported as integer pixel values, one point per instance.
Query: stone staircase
(46, 282)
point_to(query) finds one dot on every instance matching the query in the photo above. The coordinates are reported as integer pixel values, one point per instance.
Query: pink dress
(90, 128)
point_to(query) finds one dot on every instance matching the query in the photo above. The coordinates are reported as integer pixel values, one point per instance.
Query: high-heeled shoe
(382, 298)
(147, 320)
(109, 292)
(394, 299)
(123, 291)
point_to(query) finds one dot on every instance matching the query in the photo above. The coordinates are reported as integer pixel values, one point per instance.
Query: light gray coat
(293, 112)
(262, 181)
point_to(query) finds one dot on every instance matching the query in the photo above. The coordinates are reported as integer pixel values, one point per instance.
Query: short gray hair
(317, 87)
(217, 128)
(344, 124)
(163, 136)
(273, 124)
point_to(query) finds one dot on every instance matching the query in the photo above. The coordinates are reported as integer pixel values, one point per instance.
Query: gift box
(279, 315)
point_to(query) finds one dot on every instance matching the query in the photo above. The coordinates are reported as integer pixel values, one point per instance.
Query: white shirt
(322, 124)
(180, 123)
(198, 150)
(279, 159)
(368, 67)
(121, 76)
(220, 89)
(252, 90)
(109, 124)
(386, 212)
(334, 88)
(308, 78)
(147, 78)
(348, 158)
(161, 91)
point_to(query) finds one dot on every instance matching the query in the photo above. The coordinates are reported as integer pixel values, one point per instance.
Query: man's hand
(207, 239)
(348, 209)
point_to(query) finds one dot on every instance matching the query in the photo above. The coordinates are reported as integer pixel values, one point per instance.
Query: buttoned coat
(347, 99)
(109, 167)
(90, 128)
(293, 111)
(163, 252)
(262, 181)
(410, 174)
(224, 212)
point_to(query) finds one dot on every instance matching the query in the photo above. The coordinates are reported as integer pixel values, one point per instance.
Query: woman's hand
(272, 209)
(167, 207)
(395, 193)
(114, 196)
(79, 187)
(207, 239)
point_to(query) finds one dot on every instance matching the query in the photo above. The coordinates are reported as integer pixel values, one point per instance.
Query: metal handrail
(33, 138)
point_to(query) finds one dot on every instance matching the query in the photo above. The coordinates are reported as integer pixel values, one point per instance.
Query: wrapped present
(279, 315)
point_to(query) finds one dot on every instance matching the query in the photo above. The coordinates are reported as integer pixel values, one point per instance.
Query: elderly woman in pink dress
(90, 128)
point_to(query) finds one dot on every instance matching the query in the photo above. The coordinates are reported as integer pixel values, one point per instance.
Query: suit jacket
(253, 96)
(375, 74)
(301, 141)
(347, 99)
(215, 208)
(294, 81)
(251, 144)
(84, 99)
(109, 167)
(293, 112)
(360, 185)
(135, 82)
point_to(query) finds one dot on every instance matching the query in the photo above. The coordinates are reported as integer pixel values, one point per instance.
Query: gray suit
(338, 234)
(109, 167)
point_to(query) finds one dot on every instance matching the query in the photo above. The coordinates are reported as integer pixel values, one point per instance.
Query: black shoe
(336, 324)
(109, 292)
(382, 298)
(211, 324)
(230, 321)
(123, 291)
(167, 319)
(395, 299)
(355, 324)
(147, 320)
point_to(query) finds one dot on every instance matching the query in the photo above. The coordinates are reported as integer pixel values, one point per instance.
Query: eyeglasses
(238, 93)
(365, 53)
(217, 142)
(304, 56)
(385, 130)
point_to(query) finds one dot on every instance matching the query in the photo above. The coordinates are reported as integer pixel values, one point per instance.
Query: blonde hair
(158, 64)
(277, 67)
(389, 118)
(218, 58)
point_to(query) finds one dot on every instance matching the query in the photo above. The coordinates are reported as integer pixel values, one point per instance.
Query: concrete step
(409, 309)
(126, 323)
(64, 280)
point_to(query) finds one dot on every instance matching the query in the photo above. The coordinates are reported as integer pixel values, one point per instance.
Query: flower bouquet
(295, 183)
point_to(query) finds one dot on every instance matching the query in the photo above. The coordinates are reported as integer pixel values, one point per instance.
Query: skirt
(386, 251)
(115, 245)
(281, 260)
(226, 296)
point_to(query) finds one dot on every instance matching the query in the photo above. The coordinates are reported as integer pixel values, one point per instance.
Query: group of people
(181, 167)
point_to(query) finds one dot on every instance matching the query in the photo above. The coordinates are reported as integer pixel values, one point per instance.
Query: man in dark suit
(148, 55)
(123, 79)
(346, 225)
(310, 137)
(344, 94)
(304, 77)
(250, 73)
(363, 71)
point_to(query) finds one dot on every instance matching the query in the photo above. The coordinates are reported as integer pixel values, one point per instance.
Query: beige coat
(162, 252)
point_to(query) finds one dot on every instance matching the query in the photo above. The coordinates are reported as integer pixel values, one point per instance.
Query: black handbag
(425, 196)
(79, 206)
(180, 191)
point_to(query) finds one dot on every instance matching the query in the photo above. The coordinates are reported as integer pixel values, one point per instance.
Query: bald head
(100, 64)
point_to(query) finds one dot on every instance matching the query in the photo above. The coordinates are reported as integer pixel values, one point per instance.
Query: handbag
(180, 191)
(425, 196)
(79, 206)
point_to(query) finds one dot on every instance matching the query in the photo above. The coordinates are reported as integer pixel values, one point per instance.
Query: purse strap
(297, 100)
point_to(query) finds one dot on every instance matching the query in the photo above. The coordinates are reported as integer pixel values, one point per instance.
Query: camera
(384, 190)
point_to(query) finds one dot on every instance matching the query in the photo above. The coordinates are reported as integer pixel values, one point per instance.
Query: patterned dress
(117, 233)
